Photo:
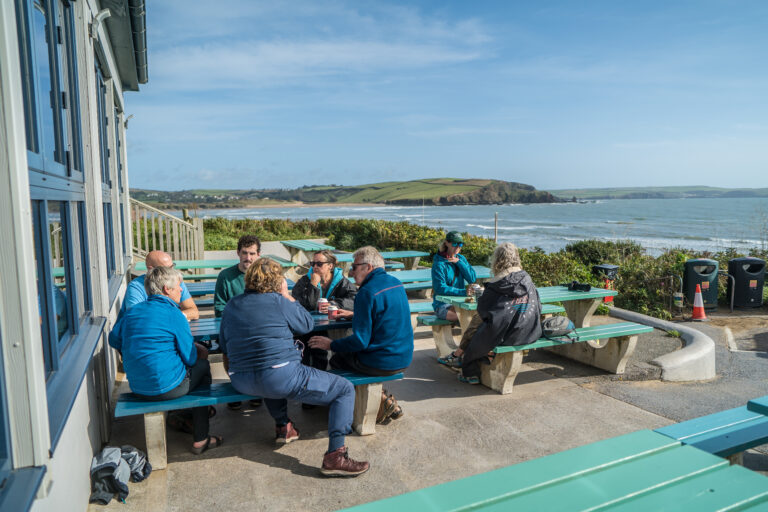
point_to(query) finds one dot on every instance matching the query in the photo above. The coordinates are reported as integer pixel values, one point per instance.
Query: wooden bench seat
(726, 433)
(367, 400)
(200, 277)
(442, 330)
(640, 471)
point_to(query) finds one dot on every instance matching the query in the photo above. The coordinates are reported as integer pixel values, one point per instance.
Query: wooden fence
(154, 229)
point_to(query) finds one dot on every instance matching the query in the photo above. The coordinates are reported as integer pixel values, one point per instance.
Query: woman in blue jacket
(451, 273)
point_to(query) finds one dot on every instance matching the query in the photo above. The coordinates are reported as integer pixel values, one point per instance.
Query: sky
(247, 94)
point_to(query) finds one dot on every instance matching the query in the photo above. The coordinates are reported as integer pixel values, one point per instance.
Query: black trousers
(314, 357)
(198, 375)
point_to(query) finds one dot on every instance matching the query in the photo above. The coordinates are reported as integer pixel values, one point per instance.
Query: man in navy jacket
(381, 343)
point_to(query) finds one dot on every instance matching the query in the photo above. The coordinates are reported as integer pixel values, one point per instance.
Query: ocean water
(657, 224)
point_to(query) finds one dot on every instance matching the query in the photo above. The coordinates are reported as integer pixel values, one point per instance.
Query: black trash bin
(702, 272)
(749, 276)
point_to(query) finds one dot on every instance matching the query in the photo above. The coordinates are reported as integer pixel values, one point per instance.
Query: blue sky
(556, 94)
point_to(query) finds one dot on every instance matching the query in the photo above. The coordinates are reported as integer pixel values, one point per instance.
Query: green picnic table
(300, 248)
(203, 264)
(411, 258)
(641, 471)
(425, 274)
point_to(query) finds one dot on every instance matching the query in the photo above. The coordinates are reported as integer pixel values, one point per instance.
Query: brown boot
(286, 433)
(338, 463)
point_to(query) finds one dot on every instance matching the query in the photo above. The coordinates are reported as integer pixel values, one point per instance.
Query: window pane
(39, 213)
(101, 102)
(118, 151)
(66, 18)
(4, 444)
(57, 225)
(45, 82)
(85, 266)
(109, 236)
(27, 75)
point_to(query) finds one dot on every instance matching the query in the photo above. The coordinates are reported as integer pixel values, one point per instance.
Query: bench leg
(500, 374)
(411, 263)
(154, 431)
(612, 357)
(444, 342)
(367, 401)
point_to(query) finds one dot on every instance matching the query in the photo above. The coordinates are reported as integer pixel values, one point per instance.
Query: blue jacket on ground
(382, 336)
(451, 278)
(257, 330)
(135, 293)
(156, 344)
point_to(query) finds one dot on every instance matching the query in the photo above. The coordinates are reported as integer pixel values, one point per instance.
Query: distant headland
(429, 192)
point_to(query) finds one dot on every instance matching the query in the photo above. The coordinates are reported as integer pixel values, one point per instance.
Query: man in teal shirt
(231, 283)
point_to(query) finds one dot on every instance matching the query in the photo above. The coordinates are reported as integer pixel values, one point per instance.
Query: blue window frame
(5, 445)
(68, 328)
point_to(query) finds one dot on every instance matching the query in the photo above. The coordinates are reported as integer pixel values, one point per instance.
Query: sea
(656, 224)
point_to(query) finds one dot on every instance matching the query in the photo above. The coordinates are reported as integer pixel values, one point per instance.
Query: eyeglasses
(318, 263)
(458, 244)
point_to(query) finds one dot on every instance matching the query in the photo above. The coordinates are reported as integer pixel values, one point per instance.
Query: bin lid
(746, 259)
(701, 261)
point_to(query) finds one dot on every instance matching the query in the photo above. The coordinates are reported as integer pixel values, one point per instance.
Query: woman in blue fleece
(257, 335)
(451, 273)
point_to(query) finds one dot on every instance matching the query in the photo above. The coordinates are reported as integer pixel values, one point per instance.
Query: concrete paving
(449, 431)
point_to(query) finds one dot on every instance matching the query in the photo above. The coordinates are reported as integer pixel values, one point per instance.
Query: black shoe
(234, 406)
(255, 402)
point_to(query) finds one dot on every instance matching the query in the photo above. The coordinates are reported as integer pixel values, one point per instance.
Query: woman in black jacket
(324, 280)
(508, 313)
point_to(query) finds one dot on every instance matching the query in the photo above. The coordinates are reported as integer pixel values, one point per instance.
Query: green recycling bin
(704, 273)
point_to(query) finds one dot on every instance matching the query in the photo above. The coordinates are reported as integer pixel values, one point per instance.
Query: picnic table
(640, 471)
(213, 264)
(300, 248)
(579, 306)
(410, 258)
(205, 328)
(198, 289)
(425, 274)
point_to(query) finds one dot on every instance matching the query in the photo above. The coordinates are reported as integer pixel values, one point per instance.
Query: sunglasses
(318, 263)
(355, 265)
(458, 244)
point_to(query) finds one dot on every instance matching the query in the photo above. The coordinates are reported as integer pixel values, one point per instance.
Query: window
(55, 158)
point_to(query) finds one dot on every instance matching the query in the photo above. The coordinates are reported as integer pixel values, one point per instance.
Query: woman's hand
(315, 279)
(320, 342)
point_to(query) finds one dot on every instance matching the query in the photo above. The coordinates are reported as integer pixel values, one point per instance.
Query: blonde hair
(264, 276)
(505, 258)
(369, 255)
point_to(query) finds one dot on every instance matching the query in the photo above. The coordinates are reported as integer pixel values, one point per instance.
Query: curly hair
(264, 276)
(247, 241)
(505, 257)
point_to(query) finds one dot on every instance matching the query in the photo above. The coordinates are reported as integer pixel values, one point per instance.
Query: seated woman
(451, 272)
(257, 339)
(324, 280)
(160, 358)
(508, 313)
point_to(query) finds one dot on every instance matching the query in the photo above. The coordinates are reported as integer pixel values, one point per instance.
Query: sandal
(387, 408)
(217, 441)
(451, 360)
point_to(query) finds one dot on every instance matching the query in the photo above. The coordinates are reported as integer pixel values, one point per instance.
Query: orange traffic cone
(698, 306)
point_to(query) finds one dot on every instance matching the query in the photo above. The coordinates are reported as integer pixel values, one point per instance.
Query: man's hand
(344, 313)
(320, 342)
(202, 352)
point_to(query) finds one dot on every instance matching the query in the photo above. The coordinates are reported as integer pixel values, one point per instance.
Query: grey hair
(505, 257)
(160, 277)
(370, 255)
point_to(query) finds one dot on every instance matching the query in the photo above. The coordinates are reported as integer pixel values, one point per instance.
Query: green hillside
(438, 191)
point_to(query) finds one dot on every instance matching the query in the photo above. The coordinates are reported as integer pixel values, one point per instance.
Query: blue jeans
(304, 384)
(441, 311)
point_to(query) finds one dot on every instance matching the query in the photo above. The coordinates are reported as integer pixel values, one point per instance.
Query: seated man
(135, 293)
(382, 340)
(231, 283)
(159, 357)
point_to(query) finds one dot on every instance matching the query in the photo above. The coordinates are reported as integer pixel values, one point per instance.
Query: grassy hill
(658, 192)
(439, 191)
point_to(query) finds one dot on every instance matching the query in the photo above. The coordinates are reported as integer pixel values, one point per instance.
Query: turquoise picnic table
(425, 274)
(299, 249)
(640, 471)
(212, 264)
(198, 289)
(410, 258)
(579, 306)
(207, 328)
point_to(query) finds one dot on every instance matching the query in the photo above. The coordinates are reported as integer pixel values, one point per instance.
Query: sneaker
(255, 402)
(469, 380)
(451, 360)
(338, 463)
(234, 406)
(286, 433)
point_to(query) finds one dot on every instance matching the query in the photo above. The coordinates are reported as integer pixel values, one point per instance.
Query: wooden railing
(154, 229)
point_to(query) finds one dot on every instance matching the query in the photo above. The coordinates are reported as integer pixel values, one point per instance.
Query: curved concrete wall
(695, 361)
